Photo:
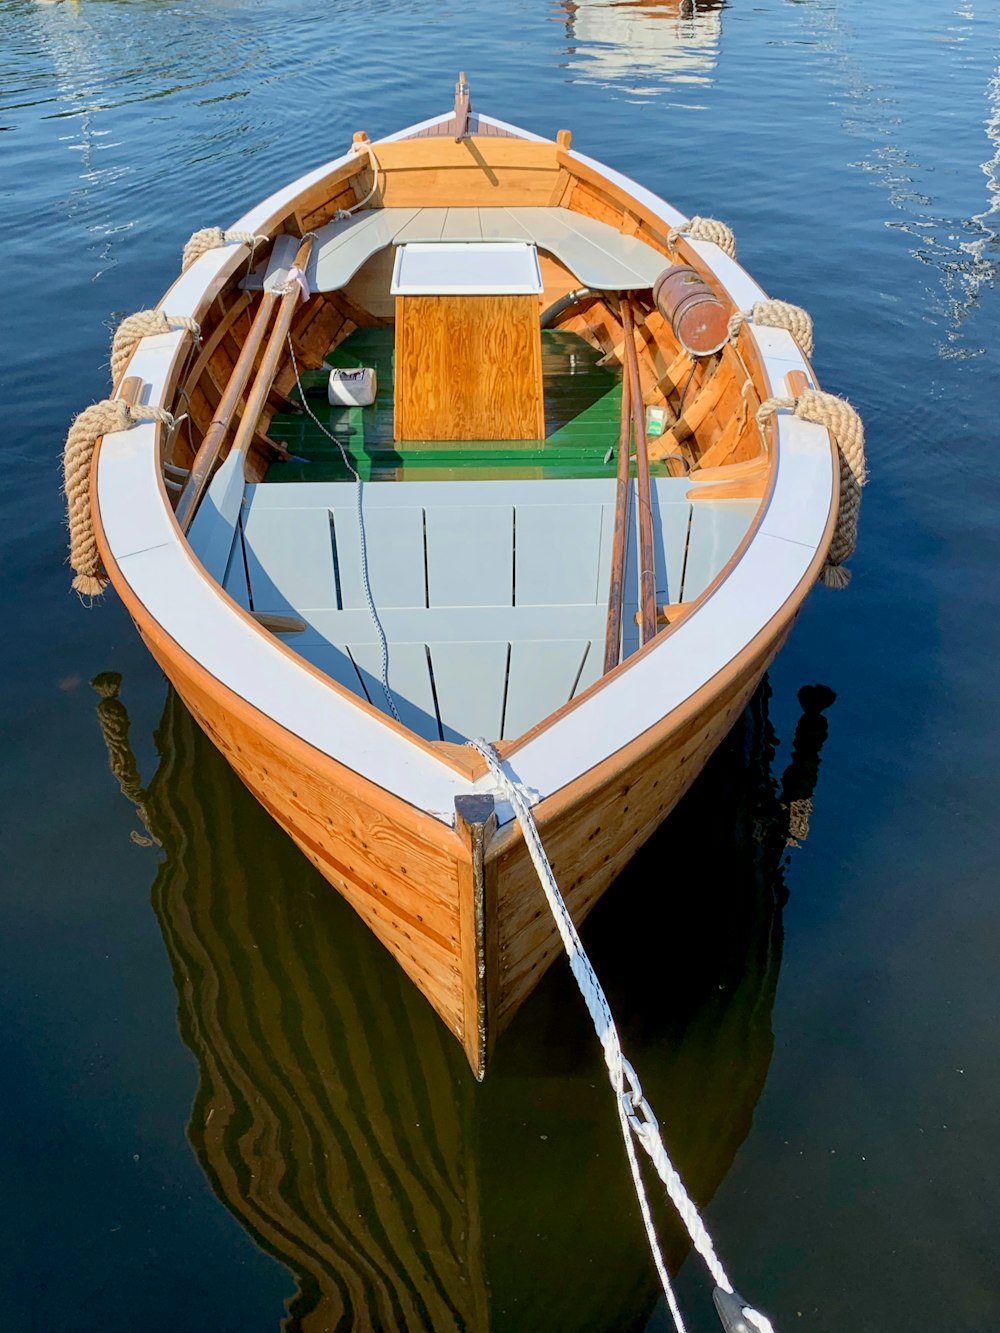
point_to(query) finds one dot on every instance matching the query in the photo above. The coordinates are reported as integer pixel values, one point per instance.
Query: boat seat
(598, 254)
(493, 595)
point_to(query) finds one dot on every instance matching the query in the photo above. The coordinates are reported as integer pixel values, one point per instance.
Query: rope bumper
(848, 432)
(778, 315)
(113, 414)
(211, 238)
(704, 229)
(144, 324)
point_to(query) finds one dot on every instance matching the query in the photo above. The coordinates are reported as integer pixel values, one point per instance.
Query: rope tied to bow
(95, 421)
(848, 432)
(637, 1122)
(777, 315)
(704, 229)
(211, 238)
(144, 324)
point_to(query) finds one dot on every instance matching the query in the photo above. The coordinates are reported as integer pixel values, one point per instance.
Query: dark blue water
(837, 1117)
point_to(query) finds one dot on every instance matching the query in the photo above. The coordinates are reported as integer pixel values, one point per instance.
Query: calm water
(222, 1109)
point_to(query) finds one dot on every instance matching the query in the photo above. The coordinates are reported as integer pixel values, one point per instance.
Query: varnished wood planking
(398, 867)
(487, 171)
(590, 841)
(468, 368)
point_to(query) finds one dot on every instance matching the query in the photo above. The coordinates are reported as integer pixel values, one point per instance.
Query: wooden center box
(468, 342)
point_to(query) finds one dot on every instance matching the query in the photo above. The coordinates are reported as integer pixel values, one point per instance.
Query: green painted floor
(582, 415)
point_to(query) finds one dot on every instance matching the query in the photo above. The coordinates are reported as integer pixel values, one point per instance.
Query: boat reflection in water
(643, 44)
(337, 1119)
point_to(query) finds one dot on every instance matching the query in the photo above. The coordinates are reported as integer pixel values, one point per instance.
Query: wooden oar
(647, 559)
(613, 634)
(276, 345)
(203, 467)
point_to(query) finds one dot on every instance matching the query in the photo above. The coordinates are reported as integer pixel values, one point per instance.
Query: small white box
(350, 387)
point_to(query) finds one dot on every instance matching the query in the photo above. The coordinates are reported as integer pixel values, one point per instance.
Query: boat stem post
(476, 823)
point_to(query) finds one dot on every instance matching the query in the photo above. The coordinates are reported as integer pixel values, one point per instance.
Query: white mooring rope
(634, 1113)
(366, 582)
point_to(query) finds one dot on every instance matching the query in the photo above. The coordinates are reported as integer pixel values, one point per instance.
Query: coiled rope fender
(634, 1113)
(777, 315)
(847, 429)
(94, 421)
(144, 324)
(210, 238)
(704, 229)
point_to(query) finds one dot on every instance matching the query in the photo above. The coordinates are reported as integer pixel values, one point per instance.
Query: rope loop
(704, 229)
(848, 432)
(95, 421)
(777, 315)
(211, 238)
(144, 324)
(358, 147)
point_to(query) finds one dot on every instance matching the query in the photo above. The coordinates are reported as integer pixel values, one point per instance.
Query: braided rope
(210, 238)
(847, 429)
(777, 315)
(704, 229)
(144, 324)
(634, 1113)
(95, 421)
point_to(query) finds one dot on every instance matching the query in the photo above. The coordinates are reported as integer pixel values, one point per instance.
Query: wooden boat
(507, 291)
(333, 1117)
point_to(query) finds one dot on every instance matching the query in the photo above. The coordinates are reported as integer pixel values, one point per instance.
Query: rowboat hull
(373, 806)
(413, 882)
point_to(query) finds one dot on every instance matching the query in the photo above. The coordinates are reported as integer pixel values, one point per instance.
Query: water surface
(836, 1116)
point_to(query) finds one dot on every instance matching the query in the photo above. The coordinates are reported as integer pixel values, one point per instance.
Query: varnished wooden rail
(647, 559)
(616, 590)
(205, 460)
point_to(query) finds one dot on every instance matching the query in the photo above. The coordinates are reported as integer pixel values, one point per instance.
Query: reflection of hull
(336, 1119)
(633, 40)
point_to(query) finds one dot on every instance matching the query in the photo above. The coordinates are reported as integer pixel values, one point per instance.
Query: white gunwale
(778, 554)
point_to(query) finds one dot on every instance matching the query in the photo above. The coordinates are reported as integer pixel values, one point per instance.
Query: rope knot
(848, 433)
(704, 229)
(144, 324)
(94, 422)
(211, 238)
(777, 315)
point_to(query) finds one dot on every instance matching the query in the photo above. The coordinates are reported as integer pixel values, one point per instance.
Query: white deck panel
(466, 268)
(597, 253)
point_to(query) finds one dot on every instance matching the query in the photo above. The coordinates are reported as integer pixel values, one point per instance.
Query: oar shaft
(276, 345)
(647, 558)
(205, 460)
(613, 634)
